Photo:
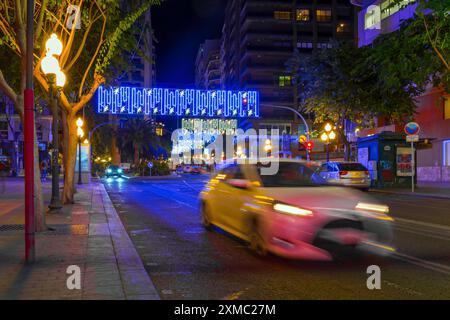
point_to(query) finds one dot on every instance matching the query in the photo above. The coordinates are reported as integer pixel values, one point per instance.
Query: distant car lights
(178, 102)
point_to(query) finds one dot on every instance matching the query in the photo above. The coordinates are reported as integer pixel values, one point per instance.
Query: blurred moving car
(113, 171)
(349, 174)
(292, 214)
(192, 169)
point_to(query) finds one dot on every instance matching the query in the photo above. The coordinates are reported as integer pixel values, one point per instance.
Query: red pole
(29, 140)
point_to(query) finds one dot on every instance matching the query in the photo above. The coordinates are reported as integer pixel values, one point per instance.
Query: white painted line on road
(424, 224)
(422, 263)
(421, 233)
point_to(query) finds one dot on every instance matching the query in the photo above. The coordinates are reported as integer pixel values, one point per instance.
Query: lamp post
(327, 137)
(56, 80)
(80, 134)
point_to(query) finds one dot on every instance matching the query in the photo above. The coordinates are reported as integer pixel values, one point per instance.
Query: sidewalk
(423, 189)
(88, 234)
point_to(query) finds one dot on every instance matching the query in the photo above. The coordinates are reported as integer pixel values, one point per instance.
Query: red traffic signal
(309, 145)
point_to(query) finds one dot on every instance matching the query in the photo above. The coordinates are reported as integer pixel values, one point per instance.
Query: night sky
(180, 27)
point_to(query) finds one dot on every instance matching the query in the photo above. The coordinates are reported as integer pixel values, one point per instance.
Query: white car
(347, 174)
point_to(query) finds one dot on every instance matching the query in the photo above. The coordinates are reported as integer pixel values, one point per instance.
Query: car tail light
(343, 173)
(366, 172)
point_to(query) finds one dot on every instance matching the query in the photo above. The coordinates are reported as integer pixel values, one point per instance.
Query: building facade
(260, 37)
(11, 134)
(207, 65)
(433, 108)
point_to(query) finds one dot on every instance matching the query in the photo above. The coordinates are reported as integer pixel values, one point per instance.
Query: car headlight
(293, 210)
(108, 170)
(119, 170)
(376, 211)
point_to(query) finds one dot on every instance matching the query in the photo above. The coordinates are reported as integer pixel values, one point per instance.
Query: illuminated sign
(178, 102)
(211, 126)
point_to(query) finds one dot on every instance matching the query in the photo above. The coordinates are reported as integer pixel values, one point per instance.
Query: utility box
(388, 158)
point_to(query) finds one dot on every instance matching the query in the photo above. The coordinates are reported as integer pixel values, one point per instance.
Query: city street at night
(185, 261)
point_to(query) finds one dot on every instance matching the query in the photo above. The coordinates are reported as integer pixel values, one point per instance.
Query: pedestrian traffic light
(309, 145)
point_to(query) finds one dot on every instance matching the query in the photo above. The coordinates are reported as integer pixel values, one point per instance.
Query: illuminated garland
(178, 102)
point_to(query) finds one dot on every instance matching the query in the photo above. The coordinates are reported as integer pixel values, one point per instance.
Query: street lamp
(327, 137)
(80, 134)
(56, 80)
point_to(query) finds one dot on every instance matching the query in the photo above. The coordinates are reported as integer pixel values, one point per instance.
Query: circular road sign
(412, 128)
(150, 164)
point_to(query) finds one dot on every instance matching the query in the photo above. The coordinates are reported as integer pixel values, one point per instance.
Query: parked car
(191, 169)
(113, 171)
(293, 215)
(348, 174)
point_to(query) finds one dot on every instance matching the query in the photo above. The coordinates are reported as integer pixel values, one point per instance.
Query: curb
(417, 194)
(136, 282)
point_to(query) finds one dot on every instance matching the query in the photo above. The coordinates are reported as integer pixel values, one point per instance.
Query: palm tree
(138, 133)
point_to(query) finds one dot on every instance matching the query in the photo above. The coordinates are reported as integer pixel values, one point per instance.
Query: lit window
(282, 15)
(305, 45)
(323, 15)
(302, 15)
(159, 132)
(342, 27)
(447, 108)
(284, 81)
(446, 152)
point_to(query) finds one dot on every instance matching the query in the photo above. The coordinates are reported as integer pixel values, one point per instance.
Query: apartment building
(207, 65)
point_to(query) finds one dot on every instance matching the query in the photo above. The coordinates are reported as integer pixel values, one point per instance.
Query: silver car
(349, 174)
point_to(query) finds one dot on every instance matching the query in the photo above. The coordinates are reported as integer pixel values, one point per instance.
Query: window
(284, 81)
(282, 15)
(3, 126)
(447, 108)
(323, 15)
(305, 45)
(302, 14)
(325, 45)
(446, 152)
(343, 27)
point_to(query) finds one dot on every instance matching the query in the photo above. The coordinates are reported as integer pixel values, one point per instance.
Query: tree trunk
(38, 197)
(136, 155)
(115, 152)
(70, 159)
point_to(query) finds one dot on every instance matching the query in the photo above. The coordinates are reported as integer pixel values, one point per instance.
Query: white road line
(430, 235)
(422, 263)
(424, 224)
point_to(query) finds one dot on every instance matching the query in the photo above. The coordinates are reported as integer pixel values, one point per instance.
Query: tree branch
(5, 87)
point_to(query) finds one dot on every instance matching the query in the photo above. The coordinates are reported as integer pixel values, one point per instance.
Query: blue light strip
(178, 102)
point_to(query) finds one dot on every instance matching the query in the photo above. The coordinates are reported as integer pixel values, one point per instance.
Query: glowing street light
(56, 80)
(327, 137)
(80, 134)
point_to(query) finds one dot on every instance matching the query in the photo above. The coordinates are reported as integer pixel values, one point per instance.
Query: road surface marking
(424, 224)
(422, 263)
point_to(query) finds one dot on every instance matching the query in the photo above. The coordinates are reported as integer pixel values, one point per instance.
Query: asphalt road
(187, 262)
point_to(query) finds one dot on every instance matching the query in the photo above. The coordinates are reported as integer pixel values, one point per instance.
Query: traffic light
(309, 145)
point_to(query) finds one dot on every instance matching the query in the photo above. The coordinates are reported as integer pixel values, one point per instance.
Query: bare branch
(94, 56)
(5, 87)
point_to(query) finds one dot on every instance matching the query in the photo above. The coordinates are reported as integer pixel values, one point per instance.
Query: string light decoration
(178, 102)
(210, 126)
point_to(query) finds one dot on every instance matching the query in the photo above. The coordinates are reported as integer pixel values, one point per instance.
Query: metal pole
(328, 152)
(29, 139)
(412, 166)
(55, 203)
(79, 161)
(298, 114)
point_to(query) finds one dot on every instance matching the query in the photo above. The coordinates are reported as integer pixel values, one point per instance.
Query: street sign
(412, 138)
(150, 164)
(412, 128)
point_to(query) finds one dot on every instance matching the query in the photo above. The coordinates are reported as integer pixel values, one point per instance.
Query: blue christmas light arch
(178, 102)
